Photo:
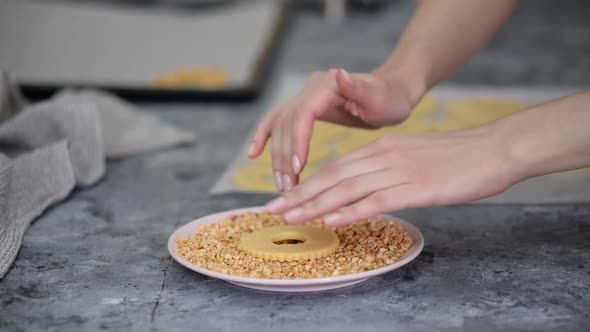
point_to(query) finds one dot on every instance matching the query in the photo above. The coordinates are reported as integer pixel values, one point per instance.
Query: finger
(341, 195)
(353, 89)
(263, 131)
(300, 138)
(326, 178)
(352, 108)
(286, 151)
(387, 200)
(301, 127)
(348, 104)
(343, 117)
(279, 204)
(275, 151)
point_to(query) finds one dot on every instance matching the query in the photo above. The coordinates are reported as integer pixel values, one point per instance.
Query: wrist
(516, 149)
(397, 76)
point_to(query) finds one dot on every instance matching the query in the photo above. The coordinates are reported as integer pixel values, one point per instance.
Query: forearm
(548, 138)
(441, 37)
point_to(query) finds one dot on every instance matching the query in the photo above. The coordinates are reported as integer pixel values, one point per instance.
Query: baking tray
(48, 45)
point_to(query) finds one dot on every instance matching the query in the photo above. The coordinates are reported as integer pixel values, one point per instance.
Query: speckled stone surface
(98, 261)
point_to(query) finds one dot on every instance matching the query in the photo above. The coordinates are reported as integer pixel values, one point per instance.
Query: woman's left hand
(403, 171)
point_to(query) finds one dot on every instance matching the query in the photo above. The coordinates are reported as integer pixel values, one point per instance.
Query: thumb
(352, 88)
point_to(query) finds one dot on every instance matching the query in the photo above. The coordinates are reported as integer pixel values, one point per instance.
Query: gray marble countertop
(98, 261)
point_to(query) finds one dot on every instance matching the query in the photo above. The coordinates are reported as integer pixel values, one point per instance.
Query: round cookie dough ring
(425, 108)
(450, 124)
(360, 138)
(302, 242)
(411, 126)
(324, 132)
(355, 141)
(206, 78)
(476, 111)
(255, 179)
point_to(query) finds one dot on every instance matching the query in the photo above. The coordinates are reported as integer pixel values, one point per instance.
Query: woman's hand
(357, 100)
(403, 171)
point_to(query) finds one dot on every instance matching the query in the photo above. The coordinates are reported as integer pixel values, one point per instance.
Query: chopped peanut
(365, 245)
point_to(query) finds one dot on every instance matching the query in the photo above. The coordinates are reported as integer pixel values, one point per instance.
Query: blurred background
(226, 49)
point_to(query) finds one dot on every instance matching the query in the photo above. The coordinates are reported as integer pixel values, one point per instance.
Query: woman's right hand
(357, 100)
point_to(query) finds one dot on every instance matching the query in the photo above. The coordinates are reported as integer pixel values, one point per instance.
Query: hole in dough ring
(314, 242)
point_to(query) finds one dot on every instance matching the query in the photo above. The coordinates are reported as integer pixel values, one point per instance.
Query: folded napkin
(49, 148)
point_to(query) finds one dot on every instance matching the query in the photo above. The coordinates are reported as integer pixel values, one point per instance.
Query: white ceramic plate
(291, 285)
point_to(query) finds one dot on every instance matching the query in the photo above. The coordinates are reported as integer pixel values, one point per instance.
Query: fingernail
(296, 165)
(251, 149)
(293, 215)
(287, 183)
(332, 218)
(275, 205)
(346, 76)
(278, 181)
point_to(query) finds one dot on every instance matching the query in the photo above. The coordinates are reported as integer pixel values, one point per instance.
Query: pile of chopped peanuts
(365, 245)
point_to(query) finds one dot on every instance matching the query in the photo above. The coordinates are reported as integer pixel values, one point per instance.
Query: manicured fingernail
(296, 165)
(276, 204)
(278, 181)
(332, 218)
(287, 183)
(293, 215)
(251, 149)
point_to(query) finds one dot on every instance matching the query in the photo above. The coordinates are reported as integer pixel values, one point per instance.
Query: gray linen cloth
(49, 148)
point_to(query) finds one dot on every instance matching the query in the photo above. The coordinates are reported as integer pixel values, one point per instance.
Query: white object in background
(69, 43)
(335, 10)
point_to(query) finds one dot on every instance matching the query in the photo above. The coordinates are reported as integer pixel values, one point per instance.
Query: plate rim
(408, 227)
